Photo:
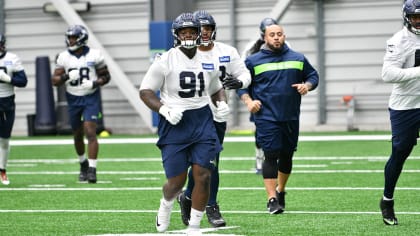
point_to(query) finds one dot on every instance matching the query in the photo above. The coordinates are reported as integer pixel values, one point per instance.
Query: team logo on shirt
(8, 63)
(90, 63)
(224, 59)
(207, 66)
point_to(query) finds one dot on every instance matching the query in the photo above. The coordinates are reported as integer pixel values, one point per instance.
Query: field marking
(159, 159)
(220, 171)
(227, 212)
(221, 188)
(31, 142)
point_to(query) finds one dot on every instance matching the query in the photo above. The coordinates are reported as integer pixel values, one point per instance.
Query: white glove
(173, 116)
(221, 114)
(5, 77)
(87, 84)
(73, 75)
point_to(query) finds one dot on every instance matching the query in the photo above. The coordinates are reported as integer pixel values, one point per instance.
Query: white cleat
(163, 217)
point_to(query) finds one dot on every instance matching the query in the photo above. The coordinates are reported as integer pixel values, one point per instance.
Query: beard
(275, 47)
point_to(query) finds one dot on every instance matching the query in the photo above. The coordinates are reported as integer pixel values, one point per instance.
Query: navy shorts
(275, 136)
(84, 108)
(7, 116)
(192, 141)
(405, 126)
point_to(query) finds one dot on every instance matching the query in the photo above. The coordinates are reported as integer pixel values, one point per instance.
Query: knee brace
(269, 170)
(285, 162)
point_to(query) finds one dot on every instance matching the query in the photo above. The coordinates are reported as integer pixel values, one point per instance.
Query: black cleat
(91, 175)
(273, 206)
(214, 217)
(84, 166)
(281, 199)
(185, 205)
(388, 214)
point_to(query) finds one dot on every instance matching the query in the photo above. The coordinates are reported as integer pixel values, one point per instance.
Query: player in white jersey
(187, 136)
(233, 74)
(402, 68)
(12, 74)
(82, 70)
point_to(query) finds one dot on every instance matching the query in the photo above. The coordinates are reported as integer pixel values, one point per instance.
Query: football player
(12, 74)
(234, 75)
(401, 67)
(187, 136)
(82, 70)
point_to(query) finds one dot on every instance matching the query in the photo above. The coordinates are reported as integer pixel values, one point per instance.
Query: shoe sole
(390, 221)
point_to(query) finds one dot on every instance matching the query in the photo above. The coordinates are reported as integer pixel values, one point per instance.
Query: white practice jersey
(87, 65)
(403, 70)
(9, 63)
(183, 83)
(228, 61)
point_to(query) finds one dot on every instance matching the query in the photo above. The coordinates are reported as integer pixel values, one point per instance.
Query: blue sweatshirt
(273, 74)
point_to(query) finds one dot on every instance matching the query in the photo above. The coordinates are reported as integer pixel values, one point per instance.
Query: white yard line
(227, 139)
(227, 212)
(221, 188)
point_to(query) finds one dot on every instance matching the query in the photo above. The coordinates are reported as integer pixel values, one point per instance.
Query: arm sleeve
(19, 79)
(392, 69)
(153, 79)
(239, 70)
(311, 75)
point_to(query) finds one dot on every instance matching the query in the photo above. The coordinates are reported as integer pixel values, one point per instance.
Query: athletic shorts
(83, 108)
(192, 141)
(405, 126)
(275, 136)
(7, 116)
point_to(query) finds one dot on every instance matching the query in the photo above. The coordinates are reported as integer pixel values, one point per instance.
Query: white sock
(169, 203)
(82, 158)
(4, 152)
(92, 163)
(196, 217)
(387, 199)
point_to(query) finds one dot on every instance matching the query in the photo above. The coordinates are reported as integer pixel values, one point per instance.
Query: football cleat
(388, 214)
(281, 199)
(163, 217)
(214, 217)
(273, 206)
(185, 206)
(91, 175)
(84, 166)
(3, 177)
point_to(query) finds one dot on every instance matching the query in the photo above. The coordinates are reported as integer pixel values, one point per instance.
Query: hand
(231, 83)
(253, 106)
(173, 116)
(301, 88)
(73, 75)
(221, 114)
(87, 84)
(5, 77)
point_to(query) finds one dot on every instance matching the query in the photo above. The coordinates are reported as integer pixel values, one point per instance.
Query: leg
(259, 157)
(200, 195)
(284, 170)
(170, 190)
(7, 119)
(4, 156)
(405, 127)
(93, 147)
(270, 174)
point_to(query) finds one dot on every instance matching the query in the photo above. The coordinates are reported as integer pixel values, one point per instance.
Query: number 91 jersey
(184, 83)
